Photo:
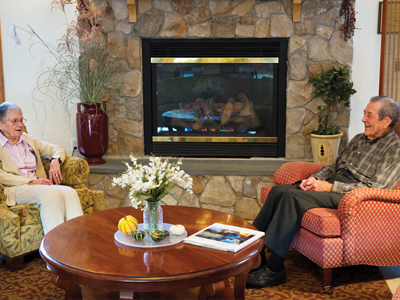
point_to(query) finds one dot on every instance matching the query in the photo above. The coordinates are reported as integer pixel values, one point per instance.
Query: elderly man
(22, 173)
(371, 159)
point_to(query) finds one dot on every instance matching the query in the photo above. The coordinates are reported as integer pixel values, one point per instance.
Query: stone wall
(236, 195)
(314, 43)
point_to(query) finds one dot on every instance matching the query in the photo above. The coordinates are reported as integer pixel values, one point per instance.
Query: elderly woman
(23, 176)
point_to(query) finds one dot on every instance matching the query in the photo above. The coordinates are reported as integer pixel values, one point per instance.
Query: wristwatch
(56, 157)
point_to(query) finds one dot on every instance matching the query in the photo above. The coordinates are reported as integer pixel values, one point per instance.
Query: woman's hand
(41, 181)
(55, 172)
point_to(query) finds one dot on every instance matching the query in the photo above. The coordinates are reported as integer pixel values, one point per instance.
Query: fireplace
(215, 97)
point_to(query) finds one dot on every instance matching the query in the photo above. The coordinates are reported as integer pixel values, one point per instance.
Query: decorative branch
(347, 16)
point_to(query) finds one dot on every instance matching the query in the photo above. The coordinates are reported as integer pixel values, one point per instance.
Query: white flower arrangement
(152, 182)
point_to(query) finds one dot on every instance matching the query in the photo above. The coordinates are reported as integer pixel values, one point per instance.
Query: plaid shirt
(375, 164)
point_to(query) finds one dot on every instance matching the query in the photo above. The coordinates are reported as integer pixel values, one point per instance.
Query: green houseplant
(334, 88)
(85, 73)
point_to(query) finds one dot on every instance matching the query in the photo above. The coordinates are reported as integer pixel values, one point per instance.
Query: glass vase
(152, 217)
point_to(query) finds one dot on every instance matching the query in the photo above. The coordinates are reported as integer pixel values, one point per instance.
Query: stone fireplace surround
(229, 185)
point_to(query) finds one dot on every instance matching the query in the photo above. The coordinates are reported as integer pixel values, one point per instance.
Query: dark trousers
(281, 215)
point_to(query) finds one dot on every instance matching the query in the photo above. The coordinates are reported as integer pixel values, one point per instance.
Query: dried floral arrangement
(347, 16)
(86, 69)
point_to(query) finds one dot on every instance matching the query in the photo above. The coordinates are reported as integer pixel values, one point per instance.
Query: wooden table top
(84, 250)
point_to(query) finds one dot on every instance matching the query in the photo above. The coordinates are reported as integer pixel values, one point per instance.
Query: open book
(224, 237)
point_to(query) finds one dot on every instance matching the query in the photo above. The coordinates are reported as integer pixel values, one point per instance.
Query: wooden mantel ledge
(132, 10)
(256, 166)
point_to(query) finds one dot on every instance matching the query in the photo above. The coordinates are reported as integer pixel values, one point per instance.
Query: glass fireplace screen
(215, 99)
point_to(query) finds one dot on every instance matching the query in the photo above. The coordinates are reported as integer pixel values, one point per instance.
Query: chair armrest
(75, 171)
(291, 172)
(9, 227)
(370, 220)
(91, 201)
(352, 201)
(2, 196)
(9, 230)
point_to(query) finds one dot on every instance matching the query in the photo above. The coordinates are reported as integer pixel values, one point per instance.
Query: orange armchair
(363, 230)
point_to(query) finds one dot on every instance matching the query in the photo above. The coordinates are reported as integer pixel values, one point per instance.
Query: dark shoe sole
(267, 285)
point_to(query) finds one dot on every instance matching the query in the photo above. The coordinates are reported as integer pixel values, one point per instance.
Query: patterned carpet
(303, 282)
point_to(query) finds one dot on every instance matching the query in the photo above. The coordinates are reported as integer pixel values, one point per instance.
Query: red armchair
(396, 295)
(363, 230)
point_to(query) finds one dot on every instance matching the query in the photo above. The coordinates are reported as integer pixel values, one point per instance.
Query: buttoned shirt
(374, 164)
(22, 155)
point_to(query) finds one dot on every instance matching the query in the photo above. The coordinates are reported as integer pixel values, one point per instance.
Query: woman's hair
(5, 108)
(389, 108)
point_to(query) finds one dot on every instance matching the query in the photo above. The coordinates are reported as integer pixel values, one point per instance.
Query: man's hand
(55, 172)
(306, 184)
(312, 184)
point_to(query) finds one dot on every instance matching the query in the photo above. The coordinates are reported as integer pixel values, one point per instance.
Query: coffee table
(83, 251)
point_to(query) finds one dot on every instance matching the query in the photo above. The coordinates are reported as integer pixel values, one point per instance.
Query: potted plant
(84, 75)
(334, 88)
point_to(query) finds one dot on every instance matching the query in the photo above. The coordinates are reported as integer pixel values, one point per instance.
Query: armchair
(20, 227)
(396, 295)
(363, 230)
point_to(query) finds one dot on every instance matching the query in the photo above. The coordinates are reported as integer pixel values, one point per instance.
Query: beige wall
(367, 49)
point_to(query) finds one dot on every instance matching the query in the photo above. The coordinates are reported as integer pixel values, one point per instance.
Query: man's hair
(389, 108)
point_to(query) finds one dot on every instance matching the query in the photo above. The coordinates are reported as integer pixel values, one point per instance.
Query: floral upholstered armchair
(20, 227)
(363, 230)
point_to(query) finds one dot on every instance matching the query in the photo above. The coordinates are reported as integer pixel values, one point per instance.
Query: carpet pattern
(303, 282)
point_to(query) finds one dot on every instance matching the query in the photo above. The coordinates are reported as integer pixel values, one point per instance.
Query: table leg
(210, 291)
(240, 285)
(72, 290)
(123, 295)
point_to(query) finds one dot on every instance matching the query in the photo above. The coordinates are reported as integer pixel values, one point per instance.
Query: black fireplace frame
(243, 47)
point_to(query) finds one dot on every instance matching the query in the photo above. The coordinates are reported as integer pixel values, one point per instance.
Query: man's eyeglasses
(16, 121)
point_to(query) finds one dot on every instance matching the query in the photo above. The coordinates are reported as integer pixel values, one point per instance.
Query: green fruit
(139, 235)
(159, 235)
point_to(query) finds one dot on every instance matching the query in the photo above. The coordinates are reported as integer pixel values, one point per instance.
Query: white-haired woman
(23, 176)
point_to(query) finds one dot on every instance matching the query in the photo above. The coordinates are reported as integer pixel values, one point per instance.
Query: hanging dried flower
(347, 16)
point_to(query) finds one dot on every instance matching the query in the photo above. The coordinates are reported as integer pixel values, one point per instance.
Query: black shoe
(265, 277)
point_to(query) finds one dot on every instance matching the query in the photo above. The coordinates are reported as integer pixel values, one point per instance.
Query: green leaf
(174, 196)
(142, 197)
(167, 189)
(334, 87)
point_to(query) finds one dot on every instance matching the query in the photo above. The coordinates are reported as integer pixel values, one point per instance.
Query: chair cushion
(325, 252)
(322, 221)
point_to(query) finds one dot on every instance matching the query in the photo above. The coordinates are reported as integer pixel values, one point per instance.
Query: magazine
(224, 237)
